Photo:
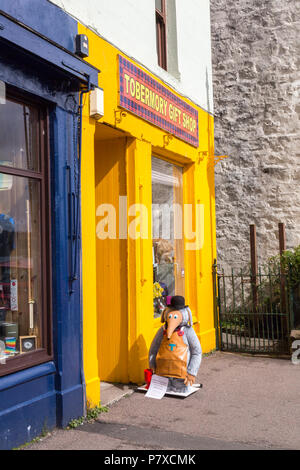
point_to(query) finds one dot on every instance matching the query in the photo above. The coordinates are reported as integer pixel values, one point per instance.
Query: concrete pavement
(246, 403)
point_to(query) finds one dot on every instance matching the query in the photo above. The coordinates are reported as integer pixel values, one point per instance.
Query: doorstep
(110, 392)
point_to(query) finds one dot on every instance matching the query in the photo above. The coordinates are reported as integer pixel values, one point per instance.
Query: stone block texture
(256, 79)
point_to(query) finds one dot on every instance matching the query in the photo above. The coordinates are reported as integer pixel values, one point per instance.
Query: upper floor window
(161, 33)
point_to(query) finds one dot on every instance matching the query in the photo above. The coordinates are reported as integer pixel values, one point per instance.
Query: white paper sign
(158, 387)
(2, 353)
(14, 295)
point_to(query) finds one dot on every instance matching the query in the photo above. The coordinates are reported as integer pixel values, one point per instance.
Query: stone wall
(256, 77)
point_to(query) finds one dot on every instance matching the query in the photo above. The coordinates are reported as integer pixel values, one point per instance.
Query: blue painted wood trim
(48, 392)
(44, 17)
(27, 375)
(67, 310)
(34, 44)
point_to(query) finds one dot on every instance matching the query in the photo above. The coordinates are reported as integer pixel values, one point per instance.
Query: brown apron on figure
(171, 359)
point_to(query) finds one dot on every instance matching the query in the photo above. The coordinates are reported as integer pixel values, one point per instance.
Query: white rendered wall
(130, 26)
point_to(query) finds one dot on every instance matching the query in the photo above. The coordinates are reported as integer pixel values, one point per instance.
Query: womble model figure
(175, 351)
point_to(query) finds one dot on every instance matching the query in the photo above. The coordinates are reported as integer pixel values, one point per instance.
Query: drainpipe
(77, 235)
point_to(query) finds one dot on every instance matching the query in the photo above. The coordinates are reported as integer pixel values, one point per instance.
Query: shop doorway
(111, 251)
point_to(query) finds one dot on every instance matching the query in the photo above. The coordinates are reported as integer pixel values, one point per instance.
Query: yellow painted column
(207, 253)
(190, 256)
(140, 268)
(89, 293)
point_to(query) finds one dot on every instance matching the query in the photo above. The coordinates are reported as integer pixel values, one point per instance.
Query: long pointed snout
(172, 325)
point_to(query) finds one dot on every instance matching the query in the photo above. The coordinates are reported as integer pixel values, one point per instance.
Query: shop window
(167, 232)
(161, 36)
(24, 231)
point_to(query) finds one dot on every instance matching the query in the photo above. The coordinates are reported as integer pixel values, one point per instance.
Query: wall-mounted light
(167, 139)
(218, 158)
(119, 115)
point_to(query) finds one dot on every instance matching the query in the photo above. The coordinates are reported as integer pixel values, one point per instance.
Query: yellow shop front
(148, 217)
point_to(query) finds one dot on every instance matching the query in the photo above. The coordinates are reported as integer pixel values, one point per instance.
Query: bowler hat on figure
(177, 302)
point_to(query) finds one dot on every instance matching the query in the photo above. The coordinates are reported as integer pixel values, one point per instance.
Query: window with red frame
(161, 36)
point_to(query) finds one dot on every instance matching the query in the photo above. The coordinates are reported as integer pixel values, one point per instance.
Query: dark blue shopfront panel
(27, 405)
(44, 17)
(50, 394)
(67, 306)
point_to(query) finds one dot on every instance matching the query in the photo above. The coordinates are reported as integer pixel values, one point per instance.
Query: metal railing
(253, 312)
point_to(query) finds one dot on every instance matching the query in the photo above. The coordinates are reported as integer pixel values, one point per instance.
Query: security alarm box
(97, 103)
(82, 45)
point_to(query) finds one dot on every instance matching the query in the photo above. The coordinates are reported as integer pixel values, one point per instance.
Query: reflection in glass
(167, 232)
(20, 264)
(19, 136)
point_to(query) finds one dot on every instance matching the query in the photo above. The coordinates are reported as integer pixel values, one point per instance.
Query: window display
(21, 229)
(20, 262)
(167, 232)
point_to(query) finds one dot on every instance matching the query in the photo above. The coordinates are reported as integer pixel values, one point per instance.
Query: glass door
(167, 232)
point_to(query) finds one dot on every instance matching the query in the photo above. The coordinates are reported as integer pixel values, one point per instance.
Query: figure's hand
(189, 380)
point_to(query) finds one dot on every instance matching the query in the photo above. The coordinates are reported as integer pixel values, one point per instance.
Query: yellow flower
(157, 290)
